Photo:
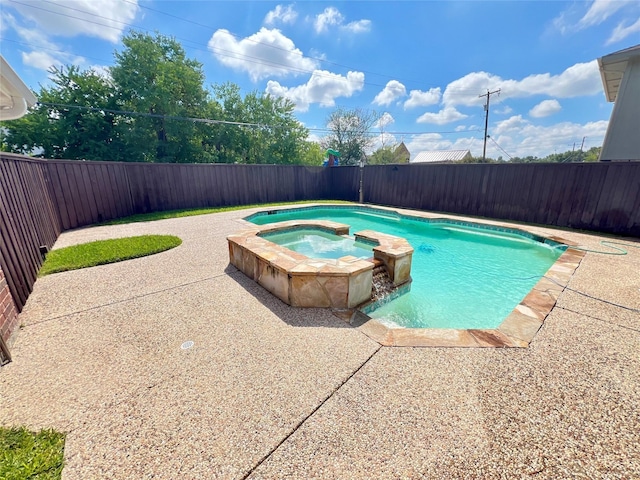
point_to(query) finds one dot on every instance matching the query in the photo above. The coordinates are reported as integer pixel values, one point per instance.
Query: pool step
(381, 286)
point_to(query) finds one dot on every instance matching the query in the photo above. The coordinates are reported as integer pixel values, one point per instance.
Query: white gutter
(15, 96)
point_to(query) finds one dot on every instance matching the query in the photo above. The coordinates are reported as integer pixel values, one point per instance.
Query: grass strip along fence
(102, 252)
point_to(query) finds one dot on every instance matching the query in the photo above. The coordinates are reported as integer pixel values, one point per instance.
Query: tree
(155, 78)
(311, 154)
(74, 119)
(350, 133)
(383, 156)
(261, 128)
(570, 156)
(388, 154)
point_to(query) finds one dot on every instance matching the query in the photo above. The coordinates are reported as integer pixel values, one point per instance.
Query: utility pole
(486, 120)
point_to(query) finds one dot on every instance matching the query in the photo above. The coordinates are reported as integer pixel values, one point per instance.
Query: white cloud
(621, 32)
(323, 88)
(44, 61)
(392, 91)
(435, 141)
(281, 14)
(600, 10)
(267, 53)
(359, 26)
(331, 17)
(418, 98)
(505, 110)
(522, 138)
(578, 80)
(510, 124)
(102, 71)
(460, 128)
(40, 58)
(385, 119)
(29, 35)
(446, 115)
(518, 137)
(545, 108)
(575, 19)
(383, 140)
(70, 18)
(541, 141)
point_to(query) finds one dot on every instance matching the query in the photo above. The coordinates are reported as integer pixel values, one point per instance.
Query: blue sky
(420, 64)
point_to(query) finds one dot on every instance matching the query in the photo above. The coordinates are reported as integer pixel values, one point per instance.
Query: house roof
(15, 96)
(435, 156)
(612, 67)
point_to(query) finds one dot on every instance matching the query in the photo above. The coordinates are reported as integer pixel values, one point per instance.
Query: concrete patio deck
(271, 391)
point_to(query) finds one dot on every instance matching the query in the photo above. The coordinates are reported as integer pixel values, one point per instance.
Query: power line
(503, 150)
(486, 119)
(213, 121)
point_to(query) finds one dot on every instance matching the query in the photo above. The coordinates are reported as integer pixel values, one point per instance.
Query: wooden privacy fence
(603, 196)
(90, 192)
(28, 220)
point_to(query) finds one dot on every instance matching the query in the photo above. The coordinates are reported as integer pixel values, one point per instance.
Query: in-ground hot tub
(315, 242)
(301, 281)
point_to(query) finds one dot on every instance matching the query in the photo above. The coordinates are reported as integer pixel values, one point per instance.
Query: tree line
(570, 156)
(152, 106)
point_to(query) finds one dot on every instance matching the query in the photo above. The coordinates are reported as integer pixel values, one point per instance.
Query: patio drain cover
(187, 345)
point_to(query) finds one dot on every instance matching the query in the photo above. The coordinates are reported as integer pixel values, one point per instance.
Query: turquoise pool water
(464, 275)
(316, 243)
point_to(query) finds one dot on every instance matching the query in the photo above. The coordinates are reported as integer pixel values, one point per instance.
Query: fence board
(28, 219)
(598, 196)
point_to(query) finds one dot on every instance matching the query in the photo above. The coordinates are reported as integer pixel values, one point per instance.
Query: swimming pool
(465, 276)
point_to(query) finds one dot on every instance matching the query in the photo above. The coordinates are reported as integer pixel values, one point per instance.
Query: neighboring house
(442, 156)
(620, 73)
(401, 154)
(15, 96)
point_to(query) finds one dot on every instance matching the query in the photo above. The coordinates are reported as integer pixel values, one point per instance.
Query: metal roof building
(441, 156)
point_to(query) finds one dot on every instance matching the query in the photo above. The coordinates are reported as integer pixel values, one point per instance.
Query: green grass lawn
(149, 217)
(25, 454)
(102, 252)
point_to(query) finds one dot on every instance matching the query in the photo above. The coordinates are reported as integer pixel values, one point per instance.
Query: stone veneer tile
(273, 280)
(303, 268)
(377, 332)
(437, 337)
(520, 326)
(495, 338)
(546, 285)
(524, 310)
(359, 290)
(402, 269)
(336, 289)
(305, 291)
(539, 301)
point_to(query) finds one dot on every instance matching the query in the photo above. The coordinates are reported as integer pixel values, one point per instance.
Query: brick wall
(8, 310)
